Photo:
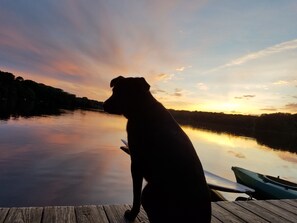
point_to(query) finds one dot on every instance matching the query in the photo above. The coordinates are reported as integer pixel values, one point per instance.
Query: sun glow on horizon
(199, 55)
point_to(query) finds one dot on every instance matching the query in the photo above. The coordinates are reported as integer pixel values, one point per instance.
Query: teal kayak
(265, 186)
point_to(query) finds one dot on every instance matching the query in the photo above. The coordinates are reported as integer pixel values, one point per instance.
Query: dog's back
(176, 184)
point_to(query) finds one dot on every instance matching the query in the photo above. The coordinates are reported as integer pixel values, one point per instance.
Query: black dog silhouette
(162, 154)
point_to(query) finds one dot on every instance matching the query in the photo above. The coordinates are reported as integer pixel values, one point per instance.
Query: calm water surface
(74, 159)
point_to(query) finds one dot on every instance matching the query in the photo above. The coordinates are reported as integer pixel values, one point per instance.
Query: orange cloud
(292, 107)
(84, 45)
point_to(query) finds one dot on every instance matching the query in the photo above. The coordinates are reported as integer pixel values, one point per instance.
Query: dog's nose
(111, 106)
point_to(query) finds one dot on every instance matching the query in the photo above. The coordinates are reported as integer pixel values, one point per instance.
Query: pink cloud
(84, 44)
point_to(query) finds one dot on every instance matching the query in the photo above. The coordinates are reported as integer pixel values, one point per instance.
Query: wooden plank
(295, 201)
(241, 212)
(215, 220)
(235, 212)
(291, 202)
(24, 215)
(3, 213)
(115, 213)
(284, 205)
(142, 216)
(260, 211)
(59, 214)
(223, 215)
(275, 209)
(90, 214)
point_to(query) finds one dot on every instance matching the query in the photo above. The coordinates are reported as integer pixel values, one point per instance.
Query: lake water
(74, 159)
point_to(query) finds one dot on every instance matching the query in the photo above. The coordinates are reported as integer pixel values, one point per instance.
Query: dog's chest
(137, 135)
(140, 139)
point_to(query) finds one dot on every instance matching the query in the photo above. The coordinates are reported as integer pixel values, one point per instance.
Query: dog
(162, 154)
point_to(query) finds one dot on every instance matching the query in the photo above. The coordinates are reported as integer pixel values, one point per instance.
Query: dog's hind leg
(152, 204)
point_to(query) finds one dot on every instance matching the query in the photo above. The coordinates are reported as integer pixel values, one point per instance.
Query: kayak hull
(265, 188)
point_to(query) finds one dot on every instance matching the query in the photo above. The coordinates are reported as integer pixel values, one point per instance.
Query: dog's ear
(115, 81)
(144, 85)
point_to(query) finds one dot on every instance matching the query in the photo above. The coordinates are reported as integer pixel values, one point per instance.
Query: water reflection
(219, 152)
(63, 160)
(74, 159)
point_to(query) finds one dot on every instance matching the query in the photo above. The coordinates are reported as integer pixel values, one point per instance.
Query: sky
(231, 56)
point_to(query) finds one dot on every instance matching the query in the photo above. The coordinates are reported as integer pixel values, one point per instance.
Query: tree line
(277, 130)
(26, 97)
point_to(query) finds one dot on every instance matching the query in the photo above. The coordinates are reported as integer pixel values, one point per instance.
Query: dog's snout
(112, 106)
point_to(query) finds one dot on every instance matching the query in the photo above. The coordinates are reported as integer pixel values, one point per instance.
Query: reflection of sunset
(218, 152)
(62, 138)
(75, 153)
(75, 158)
(225, 140)
(237, 154)
(287, 156)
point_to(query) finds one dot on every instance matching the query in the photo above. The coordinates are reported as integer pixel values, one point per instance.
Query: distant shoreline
(19, 97)
(27, 97)
(278, 130)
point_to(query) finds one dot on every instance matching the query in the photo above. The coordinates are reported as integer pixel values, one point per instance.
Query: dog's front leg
(137, 178)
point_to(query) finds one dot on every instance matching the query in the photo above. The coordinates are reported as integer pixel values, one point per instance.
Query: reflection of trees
(277, 130)
(26, 97)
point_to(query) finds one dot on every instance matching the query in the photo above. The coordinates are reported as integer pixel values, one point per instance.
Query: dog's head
(127, 93)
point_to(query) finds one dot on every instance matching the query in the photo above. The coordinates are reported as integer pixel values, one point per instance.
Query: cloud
(156, 91)
(247, 96)
(177, 92)
(85, 43)
(280, 82)
(169, 95)
(180, 69)
(202, 86)
(278, 48)
(291, 107)
(289, 45)
(271, 109)
(164, 77)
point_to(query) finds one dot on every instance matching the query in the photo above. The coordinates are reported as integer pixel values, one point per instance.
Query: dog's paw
(131, 215)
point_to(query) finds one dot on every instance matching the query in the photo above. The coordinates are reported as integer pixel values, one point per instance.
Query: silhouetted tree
(19, 96)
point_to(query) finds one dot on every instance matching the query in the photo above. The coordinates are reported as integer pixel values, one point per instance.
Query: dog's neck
(146, 109)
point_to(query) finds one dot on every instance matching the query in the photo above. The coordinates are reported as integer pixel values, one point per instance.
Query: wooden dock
(238, 211)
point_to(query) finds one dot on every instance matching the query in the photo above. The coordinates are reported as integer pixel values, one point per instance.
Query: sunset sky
(232, 56)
